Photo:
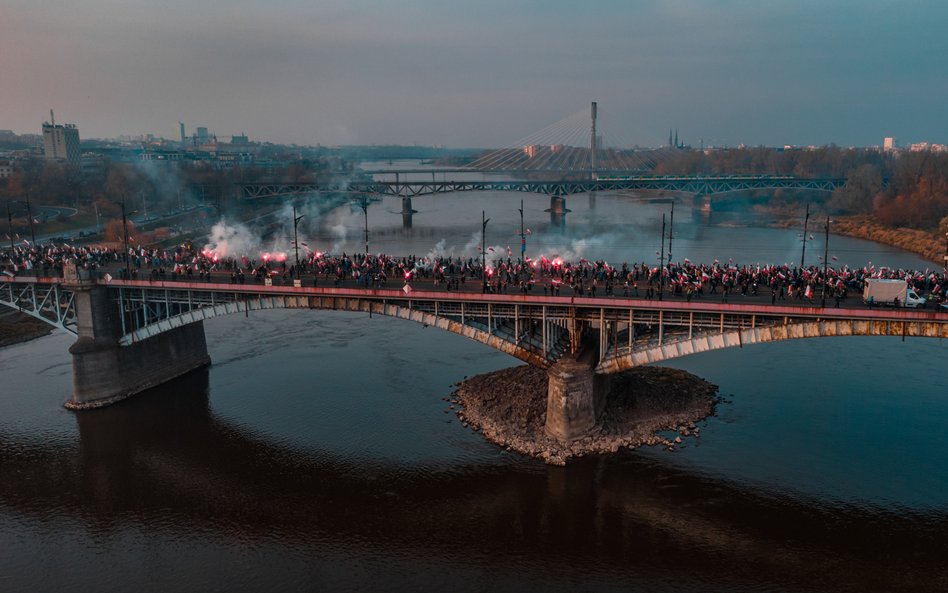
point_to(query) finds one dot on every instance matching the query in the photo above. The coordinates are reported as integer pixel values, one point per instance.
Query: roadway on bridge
(468, 285)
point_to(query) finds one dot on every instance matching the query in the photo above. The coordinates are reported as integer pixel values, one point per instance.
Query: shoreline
(924, 244)
(508, 407)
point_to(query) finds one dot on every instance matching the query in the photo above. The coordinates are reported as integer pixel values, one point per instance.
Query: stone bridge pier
(576, 394)
(105, 372)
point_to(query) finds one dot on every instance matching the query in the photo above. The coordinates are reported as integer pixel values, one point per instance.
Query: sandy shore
(18, 327)
(509, 408)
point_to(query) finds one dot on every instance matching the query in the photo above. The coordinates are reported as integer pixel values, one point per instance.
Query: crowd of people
(551, 276)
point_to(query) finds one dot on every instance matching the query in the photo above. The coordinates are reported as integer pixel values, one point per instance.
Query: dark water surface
(316, 454)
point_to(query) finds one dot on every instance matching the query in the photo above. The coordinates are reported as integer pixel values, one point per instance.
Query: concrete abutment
(105, 372)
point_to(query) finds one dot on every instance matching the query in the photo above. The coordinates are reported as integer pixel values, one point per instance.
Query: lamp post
(29, 213)
(10, 223)
(671, 231)
(364, 204)
(125, 216)
(523, 236)
(484, 222)
(806, 221)
(661, 263)
(825, 257)
(296, 240)
(128, 275)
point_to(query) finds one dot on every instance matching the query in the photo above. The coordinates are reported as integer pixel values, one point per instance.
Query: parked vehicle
(892, 293)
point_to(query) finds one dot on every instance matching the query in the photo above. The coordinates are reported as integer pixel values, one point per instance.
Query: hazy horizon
(481, 74)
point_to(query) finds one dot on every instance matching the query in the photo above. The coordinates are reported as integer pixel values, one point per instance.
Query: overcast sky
(481, 73)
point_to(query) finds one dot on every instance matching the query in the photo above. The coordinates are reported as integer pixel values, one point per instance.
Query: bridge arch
(499, 333)
(651, 352)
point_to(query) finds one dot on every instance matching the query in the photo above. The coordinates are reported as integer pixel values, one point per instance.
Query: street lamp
(128, 274)
(29, 213)
(661, 263)
(364, 204)
(825, 263)
(484, 222)
(296, 241)
(523, 237)
(10, 223)
(806, 221)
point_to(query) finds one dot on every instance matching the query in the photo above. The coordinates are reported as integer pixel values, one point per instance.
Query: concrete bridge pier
(703, 202)
(557, 211)
(103, 372)
(407, 213)
(575, 399)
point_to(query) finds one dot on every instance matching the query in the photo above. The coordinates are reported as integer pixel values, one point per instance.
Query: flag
(108, 277)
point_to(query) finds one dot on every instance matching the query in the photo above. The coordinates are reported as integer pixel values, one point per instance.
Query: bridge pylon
(105, 372)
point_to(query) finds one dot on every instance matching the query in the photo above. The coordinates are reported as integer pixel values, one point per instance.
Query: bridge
(547, 163)
(135, 334)
(698, 185)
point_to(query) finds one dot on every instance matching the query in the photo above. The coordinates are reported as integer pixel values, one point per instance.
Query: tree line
(897, 189)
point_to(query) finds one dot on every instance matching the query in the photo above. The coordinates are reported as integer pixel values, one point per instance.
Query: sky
(480, 73)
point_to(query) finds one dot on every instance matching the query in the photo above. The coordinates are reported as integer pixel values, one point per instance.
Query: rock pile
(509, 408)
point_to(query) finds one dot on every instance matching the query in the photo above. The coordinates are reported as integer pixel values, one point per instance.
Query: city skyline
(367, 72)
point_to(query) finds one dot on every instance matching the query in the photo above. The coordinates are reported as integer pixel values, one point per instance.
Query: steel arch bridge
(699, 185)
(537, 330)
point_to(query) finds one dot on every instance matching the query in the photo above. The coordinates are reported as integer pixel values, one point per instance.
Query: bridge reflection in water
(164, 460)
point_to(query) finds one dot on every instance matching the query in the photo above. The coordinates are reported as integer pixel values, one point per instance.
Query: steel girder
(408, 189)
(47, 302)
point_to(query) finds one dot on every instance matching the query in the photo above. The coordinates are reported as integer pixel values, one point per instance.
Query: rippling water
(317, 453)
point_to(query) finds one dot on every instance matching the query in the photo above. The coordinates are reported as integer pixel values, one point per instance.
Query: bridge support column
(105, 372)
(575, 398)
(407, 213)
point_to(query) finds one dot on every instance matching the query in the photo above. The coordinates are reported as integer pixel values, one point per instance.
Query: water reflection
(164, 459)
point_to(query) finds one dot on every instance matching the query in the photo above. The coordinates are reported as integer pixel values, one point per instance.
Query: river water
(317, 453)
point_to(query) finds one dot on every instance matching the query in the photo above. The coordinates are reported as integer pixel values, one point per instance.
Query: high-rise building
(890, 143)
(60, 142)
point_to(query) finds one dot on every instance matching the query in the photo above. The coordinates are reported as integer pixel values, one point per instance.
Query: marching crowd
(503, 275)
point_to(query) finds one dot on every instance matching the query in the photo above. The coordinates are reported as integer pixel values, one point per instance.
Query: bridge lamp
(296, 240)
(29, 213)
(10, 222)
(825, 263)
(484, 222)
(125, 216)
(364, 204)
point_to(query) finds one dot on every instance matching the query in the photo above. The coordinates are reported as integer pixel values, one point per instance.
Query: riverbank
(930, 246)
(926, 244)
(18, 327)
(509, 408)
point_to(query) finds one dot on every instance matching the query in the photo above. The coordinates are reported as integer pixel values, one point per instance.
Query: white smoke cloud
(233, 240)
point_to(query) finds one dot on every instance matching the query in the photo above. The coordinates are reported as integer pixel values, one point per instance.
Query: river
(317, 451)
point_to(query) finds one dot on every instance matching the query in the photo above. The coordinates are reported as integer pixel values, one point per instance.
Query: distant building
(6, 169)
(889, 144)
(201, 136)
(60, 142)
(240, 140)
